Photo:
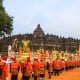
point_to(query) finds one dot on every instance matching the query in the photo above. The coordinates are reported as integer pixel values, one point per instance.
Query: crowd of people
(37, 68)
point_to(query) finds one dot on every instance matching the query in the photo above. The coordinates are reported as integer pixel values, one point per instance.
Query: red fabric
(30, 54)
(63, 63)
(14, 65)
(35, 59)
(72, 62)
(4, 57)
(78, 62)
(19, 64)
(28, 65)
(57, 63)
(42, 64)
(28, 59)
(0, 60)
(6, 69)
(2, 64)
(36, 65)
(68, 63)
(13, 58)
(51, 63)
(42, 59)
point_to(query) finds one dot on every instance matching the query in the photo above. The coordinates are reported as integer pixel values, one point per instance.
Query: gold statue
(25, 45)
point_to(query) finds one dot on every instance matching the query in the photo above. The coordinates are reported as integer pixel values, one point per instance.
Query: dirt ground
(66, 75)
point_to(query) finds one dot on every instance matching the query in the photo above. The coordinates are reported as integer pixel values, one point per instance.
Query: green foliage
(6, 21)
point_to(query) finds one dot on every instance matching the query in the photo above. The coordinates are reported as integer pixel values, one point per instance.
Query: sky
(58, 17)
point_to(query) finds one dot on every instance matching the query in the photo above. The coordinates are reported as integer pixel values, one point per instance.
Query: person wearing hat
(14, 69)
(27, 69)
(36, 67)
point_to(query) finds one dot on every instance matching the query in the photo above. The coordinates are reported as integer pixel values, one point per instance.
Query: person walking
(27, 69)
(14, 69)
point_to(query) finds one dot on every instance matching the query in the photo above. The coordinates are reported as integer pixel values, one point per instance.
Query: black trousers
(56, 72)
(26, 77)
(35, 77)
(42, 75)
(67, 68)
(14, 77)
(49, 73)
(0, 72)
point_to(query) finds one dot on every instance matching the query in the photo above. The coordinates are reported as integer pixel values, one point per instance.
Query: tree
(6, 21)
